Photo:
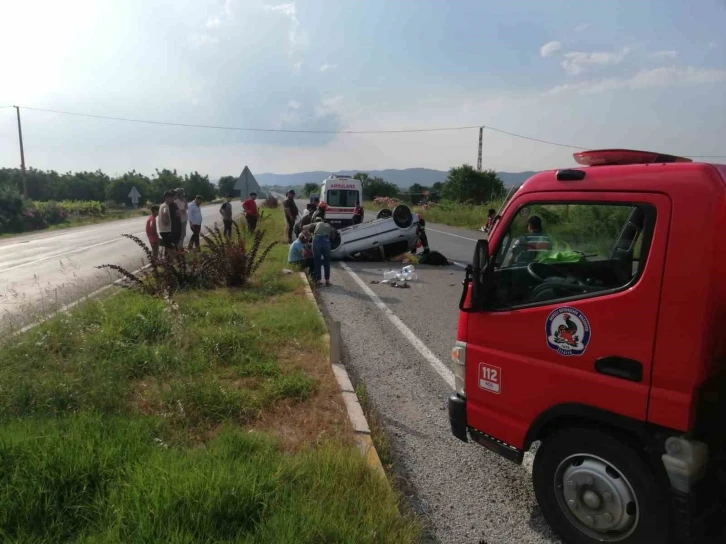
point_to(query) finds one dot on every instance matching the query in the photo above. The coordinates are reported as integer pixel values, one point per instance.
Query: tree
(163, 181)
(464, 184)
(416, 193)
(119, 188)
(310, 188)
(225, 185)
(196, 184)
(374, 187)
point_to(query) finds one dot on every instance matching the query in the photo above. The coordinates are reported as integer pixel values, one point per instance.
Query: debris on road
(407, 273)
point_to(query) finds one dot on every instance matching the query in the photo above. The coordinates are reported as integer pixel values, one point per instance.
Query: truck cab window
(553, 251)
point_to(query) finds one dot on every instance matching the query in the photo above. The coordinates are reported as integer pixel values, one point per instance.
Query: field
(467, 216)
(209, 417)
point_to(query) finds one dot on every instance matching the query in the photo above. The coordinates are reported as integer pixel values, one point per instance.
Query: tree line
(463, 184)
(49, 185)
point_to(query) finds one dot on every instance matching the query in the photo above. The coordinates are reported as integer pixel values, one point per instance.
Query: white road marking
(434, 361)
(425, 352)
(462, 265)
(454, 235)
(59, 255)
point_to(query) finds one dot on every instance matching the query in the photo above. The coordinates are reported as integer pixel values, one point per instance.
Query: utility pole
(478, 159)
(22, 154)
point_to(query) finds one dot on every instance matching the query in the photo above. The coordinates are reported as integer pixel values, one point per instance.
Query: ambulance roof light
(601, 157)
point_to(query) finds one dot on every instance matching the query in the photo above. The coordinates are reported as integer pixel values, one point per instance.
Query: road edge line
(419, 345)
(439, 367)
(356, 416)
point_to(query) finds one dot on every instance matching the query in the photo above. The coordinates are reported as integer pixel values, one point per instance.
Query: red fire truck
(591, 323)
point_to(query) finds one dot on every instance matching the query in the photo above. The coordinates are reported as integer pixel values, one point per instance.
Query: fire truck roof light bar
(603, 157)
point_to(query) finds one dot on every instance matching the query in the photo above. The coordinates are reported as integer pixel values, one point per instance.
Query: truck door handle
(620, 367)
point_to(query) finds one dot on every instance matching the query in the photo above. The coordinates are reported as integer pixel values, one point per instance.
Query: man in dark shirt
(176, 224)
(226, 211)
(291, 213)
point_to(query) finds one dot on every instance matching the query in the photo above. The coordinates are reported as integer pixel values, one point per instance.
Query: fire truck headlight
(458, 358)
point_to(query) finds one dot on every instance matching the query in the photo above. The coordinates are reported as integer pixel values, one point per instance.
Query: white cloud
(659, 77)
(664, 55)
(213, 22)
(294, 104)
(582, 27)
(576, 61)
(328, 67)
(296, 36)
(297, 66)
(332, 104)
(712, 45)
(549, 48)
(202, 39)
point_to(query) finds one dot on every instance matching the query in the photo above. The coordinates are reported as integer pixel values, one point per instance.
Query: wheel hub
(596, 497)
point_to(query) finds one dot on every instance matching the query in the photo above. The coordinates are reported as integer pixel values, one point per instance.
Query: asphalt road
(398, 341)
(42, 271)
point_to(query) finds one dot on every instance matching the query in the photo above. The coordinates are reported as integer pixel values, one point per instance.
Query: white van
(341, 193)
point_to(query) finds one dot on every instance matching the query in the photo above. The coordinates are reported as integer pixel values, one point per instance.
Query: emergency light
(603, 157)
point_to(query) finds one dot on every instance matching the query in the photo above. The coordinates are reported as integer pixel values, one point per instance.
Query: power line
(536, 139)
(293, 131)
(303, 131)
(252, 129)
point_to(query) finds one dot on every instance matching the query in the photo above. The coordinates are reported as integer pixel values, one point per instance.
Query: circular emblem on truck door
(568, 331)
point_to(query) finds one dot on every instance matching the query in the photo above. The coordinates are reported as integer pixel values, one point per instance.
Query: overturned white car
(390, 234)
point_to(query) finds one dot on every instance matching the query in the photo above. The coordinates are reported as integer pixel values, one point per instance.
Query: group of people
(166, 227)
(312, 243)
(249, 208)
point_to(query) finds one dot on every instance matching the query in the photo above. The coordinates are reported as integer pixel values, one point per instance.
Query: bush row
(19, 215)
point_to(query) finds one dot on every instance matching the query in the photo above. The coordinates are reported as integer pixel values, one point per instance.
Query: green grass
(378, 431)
(90, 479)
(466, 216)
(130, 420)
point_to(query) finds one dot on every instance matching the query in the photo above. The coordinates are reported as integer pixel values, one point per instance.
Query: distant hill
(402, 178)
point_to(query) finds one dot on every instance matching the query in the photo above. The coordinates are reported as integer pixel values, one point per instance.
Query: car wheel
(385, 213)
(402, 216)
(592, 487)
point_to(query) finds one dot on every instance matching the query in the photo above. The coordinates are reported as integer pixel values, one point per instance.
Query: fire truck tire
(592, 487)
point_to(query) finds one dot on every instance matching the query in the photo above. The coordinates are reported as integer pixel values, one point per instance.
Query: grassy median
(210, 417)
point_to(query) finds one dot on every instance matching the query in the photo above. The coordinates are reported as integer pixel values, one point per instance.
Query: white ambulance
(341, 193)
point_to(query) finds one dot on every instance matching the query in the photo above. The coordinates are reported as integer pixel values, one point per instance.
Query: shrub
(230, 257)
(168, 273)
(225, 261)
(271, 202)
(386, 202)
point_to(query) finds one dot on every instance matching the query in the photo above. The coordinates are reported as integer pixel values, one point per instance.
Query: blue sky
(639, 74)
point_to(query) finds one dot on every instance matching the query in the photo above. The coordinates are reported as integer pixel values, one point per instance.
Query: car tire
(402, 216)
(578, 506)
(385, 213)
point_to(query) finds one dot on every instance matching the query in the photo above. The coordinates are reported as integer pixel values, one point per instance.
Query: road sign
(134, 196)
(246, 183)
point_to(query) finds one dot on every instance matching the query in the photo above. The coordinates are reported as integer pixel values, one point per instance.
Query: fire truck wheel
(592, 487)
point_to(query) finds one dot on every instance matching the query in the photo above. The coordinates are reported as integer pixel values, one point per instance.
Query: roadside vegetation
(200, 415)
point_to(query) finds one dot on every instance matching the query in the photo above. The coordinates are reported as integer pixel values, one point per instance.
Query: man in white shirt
(195, 221)
(181, 202)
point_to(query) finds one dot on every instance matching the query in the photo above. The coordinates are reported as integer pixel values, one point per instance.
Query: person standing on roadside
(151, 231)
(249, 207)
(357, 214)
(226, 211)
(176, 224)
(195, 221)
(291, 213)
(164, 222)
(181, 202)
(321, 250)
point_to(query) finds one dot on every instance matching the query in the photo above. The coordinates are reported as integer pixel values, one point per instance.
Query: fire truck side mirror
(480, 275)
